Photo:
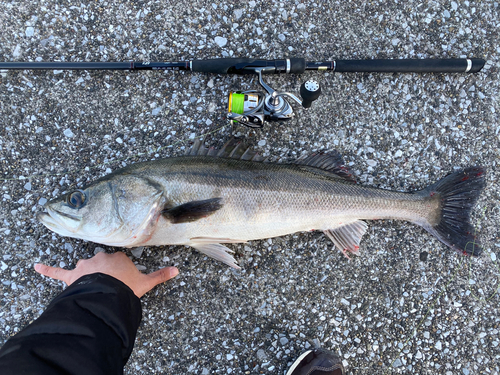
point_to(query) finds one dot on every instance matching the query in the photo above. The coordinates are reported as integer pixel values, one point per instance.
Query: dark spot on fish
(192, 211)
(423, 256)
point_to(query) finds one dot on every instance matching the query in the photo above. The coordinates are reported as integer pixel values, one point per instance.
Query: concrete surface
(406, 305)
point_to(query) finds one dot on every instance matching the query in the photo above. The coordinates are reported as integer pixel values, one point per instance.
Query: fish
(209, 198)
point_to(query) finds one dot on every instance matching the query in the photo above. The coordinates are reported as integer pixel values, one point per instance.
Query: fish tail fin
(458, 194)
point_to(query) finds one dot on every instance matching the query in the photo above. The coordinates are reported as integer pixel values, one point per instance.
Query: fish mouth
(55, 220)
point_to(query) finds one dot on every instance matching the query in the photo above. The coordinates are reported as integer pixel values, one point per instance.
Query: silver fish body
(204, 201)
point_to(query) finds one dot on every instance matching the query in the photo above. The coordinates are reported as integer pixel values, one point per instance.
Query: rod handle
(411, 65)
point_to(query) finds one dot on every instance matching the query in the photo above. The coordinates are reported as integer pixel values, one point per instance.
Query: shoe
(317, 362)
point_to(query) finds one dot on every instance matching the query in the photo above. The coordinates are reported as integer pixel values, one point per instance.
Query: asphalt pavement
(407, 304)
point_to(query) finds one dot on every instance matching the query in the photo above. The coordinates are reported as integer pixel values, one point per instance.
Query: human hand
(117, 265)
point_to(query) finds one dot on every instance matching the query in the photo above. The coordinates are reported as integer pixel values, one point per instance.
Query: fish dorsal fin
(329, 161)
(233, 149)
(348, 236)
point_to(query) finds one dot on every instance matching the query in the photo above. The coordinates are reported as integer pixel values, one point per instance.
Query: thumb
(53, 272)
(162, 275)
(154, 279)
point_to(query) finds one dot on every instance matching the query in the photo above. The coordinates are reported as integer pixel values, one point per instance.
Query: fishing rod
(252, 107)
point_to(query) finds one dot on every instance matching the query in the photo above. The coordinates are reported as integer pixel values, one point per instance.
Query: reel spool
(253, 108)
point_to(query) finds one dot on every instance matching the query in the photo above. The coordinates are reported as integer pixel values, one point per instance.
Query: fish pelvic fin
(458, 194)
(216, 251)
(192, 211)
(348, 237)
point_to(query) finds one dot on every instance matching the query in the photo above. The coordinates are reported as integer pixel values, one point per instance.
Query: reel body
(253, 108)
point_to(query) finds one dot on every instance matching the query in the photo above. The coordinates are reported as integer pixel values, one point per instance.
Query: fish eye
(77, 199)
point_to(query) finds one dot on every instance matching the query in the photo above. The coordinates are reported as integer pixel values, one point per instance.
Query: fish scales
(261, 190)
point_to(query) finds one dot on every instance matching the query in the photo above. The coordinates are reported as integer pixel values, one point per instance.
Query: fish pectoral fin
(216, 251)
(192, 211)
(347, 237)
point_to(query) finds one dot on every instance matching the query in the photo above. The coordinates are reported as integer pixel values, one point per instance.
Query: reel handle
(309, 91)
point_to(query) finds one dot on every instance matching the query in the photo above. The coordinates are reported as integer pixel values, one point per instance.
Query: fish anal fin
(216, 251)
(329, 161)
(192, 211)
(348, 237)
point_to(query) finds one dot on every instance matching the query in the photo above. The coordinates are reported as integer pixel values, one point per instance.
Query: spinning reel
(252, 108)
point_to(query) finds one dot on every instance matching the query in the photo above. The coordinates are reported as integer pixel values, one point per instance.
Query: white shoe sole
(296, 363)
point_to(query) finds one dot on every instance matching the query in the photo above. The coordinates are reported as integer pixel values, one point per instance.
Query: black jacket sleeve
(89, 328)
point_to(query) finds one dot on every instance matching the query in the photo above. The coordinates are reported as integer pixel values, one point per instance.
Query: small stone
(283, 341)
(137, 252)
(397, 363)
(220, 41)
(68, 247)
(30, 31)
(98, 250)
(68, 133)
(238, 13)
(42, 201)
(17, 51)
(261, 355)
(371, 162)
(27, 186)
(262, 143)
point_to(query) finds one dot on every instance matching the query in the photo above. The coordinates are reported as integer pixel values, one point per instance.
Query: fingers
(163, 275)
(53, 272)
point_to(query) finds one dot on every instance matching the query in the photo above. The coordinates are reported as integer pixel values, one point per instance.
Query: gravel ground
(408, 304)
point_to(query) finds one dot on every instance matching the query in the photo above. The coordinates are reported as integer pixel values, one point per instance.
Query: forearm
(90, 328)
